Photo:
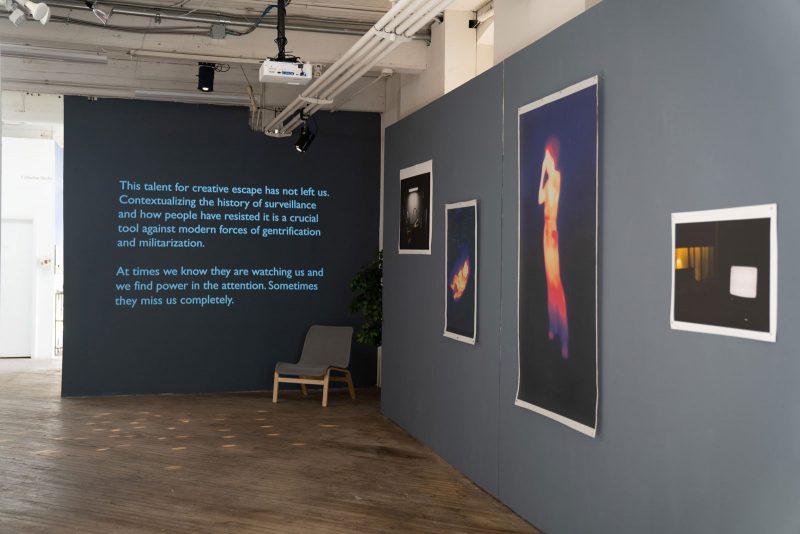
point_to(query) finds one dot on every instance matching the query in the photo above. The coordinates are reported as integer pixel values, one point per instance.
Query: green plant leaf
(367, 286)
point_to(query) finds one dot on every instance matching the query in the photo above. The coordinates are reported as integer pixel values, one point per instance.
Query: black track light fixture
(205, 77)
(103, 13)
(305, 138)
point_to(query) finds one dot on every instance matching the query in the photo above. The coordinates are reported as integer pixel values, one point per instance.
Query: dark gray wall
(697, 433)
(443, 391)
(187, 349)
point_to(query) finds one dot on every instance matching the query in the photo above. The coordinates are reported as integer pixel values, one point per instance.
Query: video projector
(285, 72)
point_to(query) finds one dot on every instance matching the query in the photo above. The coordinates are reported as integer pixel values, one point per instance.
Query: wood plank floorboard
(223, 463)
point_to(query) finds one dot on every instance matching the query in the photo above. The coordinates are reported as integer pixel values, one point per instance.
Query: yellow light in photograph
(681, 258)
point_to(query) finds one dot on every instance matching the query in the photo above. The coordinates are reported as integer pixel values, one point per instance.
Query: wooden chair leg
(326, 382)
(304, 388)
(275, 388)
(350, 385)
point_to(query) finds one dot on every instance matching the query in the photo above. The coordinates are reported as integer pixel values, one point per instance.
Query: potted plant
(367, 287)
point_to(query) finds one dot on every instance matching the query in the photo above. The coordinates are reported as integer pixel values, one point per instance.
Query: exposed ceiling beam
(122, 78)
(312, 47)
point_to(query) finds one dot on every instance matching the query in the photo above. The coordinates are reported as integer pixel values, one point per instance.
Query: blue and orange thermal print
(558, 145)
(461, 271)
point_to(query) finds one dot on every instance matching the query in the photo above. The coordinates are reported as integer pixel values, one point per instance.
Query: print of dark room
(722, 273)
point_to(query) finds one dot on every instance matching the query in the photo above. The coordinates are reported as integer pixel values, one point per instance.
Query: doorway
(31, 228)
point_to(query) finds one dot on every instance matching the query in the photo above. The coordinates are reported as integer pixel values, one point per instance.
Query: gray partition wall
(697, 433)
(448, 401)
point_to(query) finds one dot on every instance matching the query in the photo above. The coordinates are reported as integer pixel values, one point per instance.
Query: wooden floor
(223, 463)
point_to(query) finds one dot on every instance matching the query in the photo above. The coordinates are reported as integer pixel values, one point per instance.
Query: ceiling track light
(205, 74)
(306, 136)
(17, 16)
(39, 11)
(397, 26)
(101, 12)
(205, 77)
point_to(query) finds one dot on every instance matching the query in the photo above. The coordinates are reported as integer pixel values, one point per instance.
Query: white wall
(460, 44)
(457, 53)
(416, 90)
(518, 23)
(32, 115)
(28, 193)
(484, 50)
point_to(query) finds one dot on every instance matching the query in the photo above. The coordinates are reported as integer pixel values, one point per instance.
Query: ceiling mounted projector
(284, 69)
(285, 72)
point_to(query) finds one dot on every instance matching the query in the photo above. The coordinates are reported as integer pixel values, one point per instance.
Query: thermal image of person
(549, 193)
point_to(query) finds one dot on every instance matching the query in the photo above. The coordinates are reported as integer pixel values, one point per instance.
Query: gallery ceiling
(155, 45)
(370, 10)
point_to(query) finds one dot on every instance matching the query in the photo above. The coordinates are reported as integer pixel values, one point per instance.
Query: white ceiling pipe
(342, 86)
(362, 66)
(366, 43)
(485, 13)
(367, 58)
(409, 10)
(416, 20)
(394, 11)
(419, 15)
(432, 13)
(416, 24)
(359, 44)
(368, 61)
(363, 70)
(404, 16)
(342, 61)
(362, 49)
(317, 89)
(354, 73)
(385, 73)
(412, 9)
(390, 15)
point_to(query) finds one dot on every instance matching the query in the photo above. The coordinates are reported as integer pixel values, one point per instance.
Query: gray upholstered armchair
(326, 350)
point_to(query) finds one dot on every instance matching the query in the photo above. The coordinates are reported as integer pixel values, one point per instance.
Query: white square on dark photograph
(744, 282)
(725, 272)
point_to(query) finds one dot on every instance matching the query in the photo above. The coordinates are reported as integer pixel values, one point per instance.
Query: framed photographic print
(461, 271)
(725, 272)
(416, 208)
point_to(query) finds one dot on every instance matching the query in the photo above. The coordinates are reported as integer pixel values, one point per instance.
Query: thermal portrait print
(725, 272)
(416, 205)
(461, 271)
(557, 284)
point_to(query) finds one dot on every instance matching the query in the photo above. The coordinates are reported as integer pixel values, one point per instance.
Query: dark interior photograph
(722, 273)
